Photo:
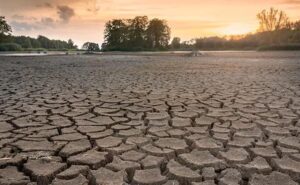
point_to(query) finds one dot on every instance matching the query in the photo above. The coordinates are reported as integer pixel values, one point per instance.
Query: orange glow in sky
(236, 29)
(84, 20)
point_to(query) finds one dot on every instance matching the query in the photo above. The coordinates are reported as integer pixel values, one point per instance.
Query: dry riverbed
(223, 118)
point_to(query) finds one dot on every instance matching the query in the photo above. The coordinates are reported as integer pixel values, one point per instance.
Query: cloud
(45, 5)
(22, 26)
(16, 16)
(93, 10)
(44, 22)
(47, 21)
(92, 6)
(65, 13)
(19, 17)
(22, 17)
(293, 2)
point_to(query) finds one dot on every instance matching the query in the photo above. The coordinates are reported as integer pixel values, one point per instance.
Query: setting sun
(237, 29)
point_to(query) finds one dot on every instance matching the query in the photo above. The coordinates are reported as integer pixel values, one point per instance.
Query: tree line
(137, 34)
(9, 42)
(141, 34)
(275, 31)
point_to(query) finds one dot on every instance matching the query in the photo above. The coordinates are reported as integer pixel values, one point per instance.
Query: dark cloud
(65, 13)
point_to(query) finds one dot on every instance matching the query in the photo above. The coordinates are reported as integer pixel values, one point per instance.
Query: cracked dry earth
(223, 118)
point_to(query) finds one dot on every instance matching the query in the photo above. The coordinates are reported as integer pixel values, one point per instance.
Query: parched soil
(225, 118)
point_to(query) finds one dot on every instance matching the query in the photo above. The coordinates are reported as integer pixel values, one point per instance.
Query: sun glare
(237, 29)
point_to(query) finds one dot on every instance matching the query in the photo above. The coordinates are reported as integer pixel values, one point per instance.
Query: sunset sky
(83, 20)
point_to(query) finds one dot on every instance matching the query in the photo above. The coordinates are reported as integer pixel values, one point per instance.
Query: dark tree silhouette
(44, 41)
(90, 47)
(35, 43)
(137, 32)
(71, 44)
(158, 34)
(23, 42)
(272, 20)
(116, 34)
(296, 26)
(5, 29)
(175, 44)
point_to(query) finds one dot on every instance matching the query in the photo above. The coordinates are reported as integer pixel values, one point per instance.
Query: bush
(10, 47)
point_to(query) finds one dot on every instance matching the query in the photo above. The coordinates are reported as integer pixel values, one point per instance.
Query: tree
(116, 34)
(137, 32)
(44, 41)
(90, 46)
(15, 42)
(27, 43)
(35, 43)
(175, 44)
(5, 29)
(272, 20)
(71, 44)
(296, 25)
(23, 41)
(158, 34)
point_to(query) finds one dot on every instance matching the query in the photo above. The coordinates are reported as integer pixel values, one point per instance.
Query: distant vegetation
(91, 47)
(138, 34)
(19, 43)
(275, 32)
(280, 47)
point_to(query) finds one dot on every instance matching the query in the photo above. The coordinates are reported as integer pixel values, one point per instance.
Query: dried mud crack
(219, 119)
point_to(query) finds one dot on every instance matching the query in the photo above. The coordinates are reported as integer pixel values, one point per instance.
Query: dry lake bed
(225, 118)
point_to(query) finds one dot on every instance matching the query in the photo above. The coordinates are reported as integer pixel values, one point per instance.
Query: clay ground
(224, 118)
